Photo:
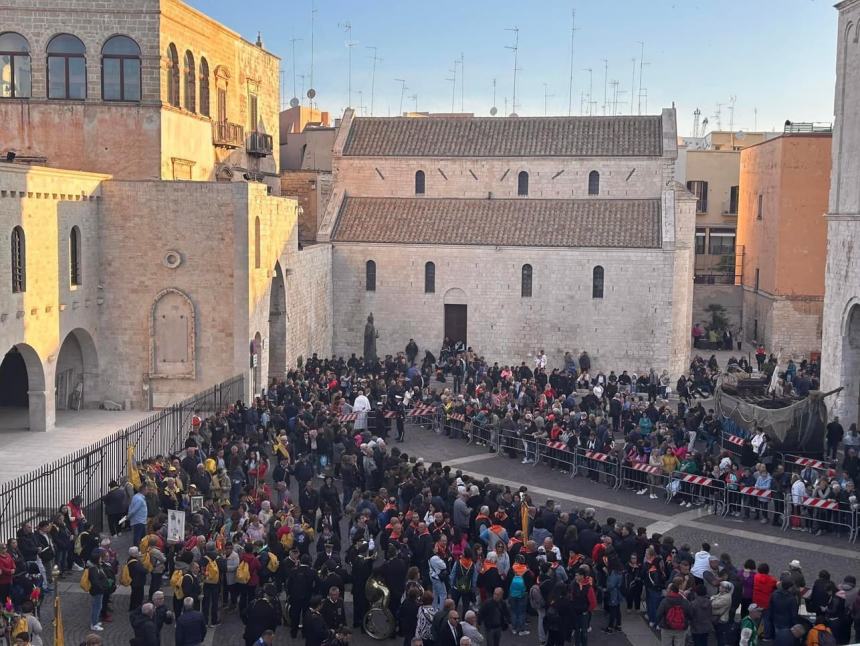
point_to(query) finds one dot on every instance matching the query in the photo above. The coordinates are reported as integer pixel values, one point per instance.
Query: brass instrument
(378, 622)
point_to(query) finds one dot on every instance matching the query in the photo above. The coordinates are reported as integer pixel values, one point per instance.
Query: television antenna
(570, 79)
(295, 98)
(590, 83)
(462, 78)
(546, 97)
(641, 65)
(614, 84)
(493, 109)
(313, 19)
(414, 97)
(605, 82)
(453, 80)
(350, 43)
(632, 85)
(402, 92)
(375, 60)
(515, 48)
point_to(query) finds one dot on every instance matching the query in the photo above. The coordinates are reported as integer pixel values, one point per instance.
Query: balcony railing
(259, 144)
(227, 135)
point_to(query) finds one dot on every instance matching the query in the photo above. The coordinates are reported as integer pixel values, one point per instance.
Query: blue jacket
(137, 510)
(613, 588)
(190, 628)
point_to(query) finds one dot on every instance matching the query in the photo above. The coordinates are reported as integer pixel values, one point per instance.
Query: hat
(794, 565)
(753, 607)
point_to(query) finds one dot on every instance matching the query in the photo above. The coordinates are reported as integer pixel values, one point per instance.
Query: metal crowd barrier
(731, 443)
(557, 453)
(595, 464)
(642, 476)
(797, 463)
(814, 514)
(698, 490)
(750, 499)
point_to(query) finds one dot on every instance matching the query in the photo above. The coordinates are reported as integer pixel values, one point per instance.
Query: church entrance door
(455, 323)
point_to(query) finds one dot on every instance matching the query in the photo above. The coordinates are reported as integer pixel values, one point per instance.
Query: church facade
(840, 361)
(513, 235)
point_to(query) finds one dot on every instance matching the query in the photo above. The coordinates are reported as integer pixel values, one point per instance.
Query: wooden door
(455, 323)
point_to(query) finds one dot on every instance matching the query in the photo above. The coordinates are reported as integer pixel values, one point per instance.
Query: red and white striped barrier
(420, 410)
(758, 493)
(646, 468)
(697, 480)
(389, 414)
(595, 455)
(457, 417)
(820, 503)
(560, 446)
(734, 439)
(807, 462)
(349, 417)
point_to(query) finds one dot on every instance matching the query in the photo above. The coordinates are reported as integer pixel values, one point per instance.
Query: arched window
(75, 256)
(19, 261)
(429, 278)
(204, 87)
(67, 68)
(594, 183)
(597, 282)
(370, 276)
(172, 336)
(419, 182)
(172, 76)
(190, 83)
(257, 243)
(121, 69)
(526, 290)
(15, 72)
(523, 183)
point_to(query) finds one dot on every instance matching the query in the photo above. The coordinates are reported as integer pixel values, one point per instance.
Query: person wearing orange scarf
(464, 580)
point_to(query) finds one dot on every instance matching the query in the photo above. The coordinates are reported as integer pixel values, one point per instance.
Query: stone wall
(729, 296)
(629, 329)
(790, 327)
(309, 302)
(313, 190)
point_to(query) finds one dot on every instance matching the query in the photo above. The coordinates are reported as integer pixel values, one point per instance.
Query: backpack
(464, 581)
(20, 625)
(518, 587)
(675, 618)
(146, 561)
(243, 572)
(825, 637)
(85, 580)
(273, 563)
(125, 574)
(211, 573)
(176, 583)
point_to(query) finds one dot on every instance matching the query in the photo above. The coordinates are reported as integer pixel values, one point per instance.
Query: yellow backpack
(146, 561)
(273, 563)
(124, 576)
(211, 466)
(176, 583)
(20, 625)
(85, 580)
(211, 573)
(243, 573)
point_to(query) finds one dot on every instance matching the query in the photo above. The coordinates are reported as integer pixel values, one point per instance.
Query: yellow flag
(133, 473)
(524, 519)
(58, 623)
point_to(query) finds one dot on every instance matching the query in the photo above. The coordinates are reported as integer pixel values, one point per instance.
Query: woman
(407, 614)
(424, 623)
(700, 626)
(655, 582)
(34, 626)
(63, 543)
(632, 584)
(747, 576)
(613, 596)
(7, 571)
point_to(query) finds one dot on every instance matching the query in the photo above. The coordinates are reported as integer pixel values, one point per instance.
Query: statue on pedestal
(370, 336)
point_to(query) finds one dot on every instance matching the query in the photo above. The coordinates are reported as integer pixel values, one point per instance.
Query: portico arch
(77, 371)
(23, 399)
(456, 316)
(851, 363)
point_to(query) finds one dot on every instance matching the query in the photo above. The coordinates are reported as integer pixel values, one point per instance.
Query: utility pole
(570, 80)
(402, 92)
(515, 48)
(375, 60)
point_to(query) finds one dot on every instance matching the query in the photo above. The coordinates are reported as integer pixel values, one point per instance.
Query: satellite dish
(294, 102)
(312, 93)
(494, 111)
(513, 114)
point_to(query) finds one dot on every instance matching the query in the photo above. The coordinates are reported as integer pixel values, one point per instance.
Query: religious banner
(175, 526)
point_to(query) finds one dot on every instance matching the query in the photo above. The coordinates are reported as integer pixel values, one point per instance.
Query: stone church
(840, 361)
(513, 235)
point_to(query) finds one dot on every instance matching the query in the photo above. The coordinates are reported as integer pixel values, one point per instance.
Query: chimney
(259, 42)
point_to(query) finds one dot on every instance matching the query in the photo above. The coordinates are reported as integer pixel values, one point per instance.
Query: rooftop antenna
(453, 79)
(515, 48)
(614, 85)
(641, 65)
(755, 119)
(570, 79)
(605, 79)
(732, 100)
(506, 105)
(632, 85)
(302, 78)
(582, 102)
(375, 60)
(590, 83)
(402, 92)
(360, 102)
(350, 43)
(311, 89)
(546, 97)
(717, 116)
(462, 78)
(414, 97)
(696, 114)
(493, 109)
(295, 100)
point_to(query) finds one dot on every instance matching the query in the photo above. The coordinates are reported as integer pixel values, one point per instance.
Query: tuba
(378, 622)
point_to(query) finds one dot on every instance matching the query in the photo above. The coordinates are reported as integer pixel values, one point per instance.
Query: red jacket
(763, 587)
(253, 566)
(7, 569)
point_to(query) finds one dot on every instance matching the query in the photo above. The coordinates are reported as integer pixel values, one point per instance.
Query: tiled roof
(523, 222)
(506, 137)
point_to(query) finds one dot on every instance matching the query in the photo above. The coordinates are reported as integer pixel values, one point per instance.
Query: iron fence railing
(88, 471)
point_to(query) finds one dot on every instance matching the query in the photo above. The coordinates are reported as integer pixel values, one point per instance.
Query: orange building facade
(784, 186)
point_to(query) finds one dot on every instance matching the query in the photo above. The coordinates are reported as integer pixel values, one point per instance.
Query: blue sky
(776, 57)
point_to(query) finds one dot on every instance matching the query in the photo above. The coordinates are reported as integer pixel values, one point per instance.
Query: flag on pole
(133, 473)
(58, 623)
(524, 518)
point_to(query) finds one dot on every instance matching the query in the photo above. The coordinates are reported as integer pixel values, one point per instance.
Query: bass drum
(379, 623)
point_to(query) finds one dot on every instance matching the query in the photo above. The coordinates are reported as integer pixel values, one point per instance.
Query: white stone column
(42, 412)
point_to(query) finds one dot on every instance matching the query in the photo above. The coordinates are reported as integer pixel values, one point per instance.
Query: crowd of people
(286, 505)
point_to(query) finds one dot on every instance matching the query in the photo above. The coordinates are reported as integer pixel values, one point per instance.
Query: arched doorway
(23, 403)
(77, 371)
(257, 362)
(277, 325)
(456, 316)
(851, 365)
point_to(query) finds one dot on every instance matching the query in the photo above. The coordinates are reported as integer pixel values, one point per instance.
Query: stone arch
(75, 380)
(172, 333)
(851, 362)
(277, 325)
(23, 400)
(455, 296)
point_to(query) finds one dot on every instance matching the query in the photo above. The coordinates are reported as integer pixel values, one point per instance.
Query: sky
(772, 59)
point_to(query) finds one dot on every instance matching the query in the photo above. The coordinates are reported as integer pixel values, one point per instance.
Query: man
(314, 628)
(191, 626)
(300, 586)
(266, 639)
(411, 351)
(750, 625)
(137, 513)
(211, 584)
(470, 629)
(835, 433)
(46, 548)
(817, 632)
(361, 406)
(139, 575)
(143, 624)
(333, 611)
(450, 633)
(99, 588)
(495, 617)
(674, 615)
(162, 614)
(790, 637)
